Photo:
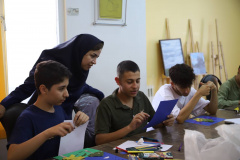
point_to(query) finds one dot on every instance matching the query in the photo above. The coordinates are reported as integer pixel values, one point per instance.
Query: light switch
(72, 11)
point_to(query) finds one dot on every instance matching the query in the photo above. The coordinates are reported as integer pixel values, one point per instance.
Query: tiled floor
(3, 149)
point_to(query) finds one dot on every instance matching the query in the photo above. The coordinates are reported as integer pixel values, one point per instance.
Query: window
(31, 28)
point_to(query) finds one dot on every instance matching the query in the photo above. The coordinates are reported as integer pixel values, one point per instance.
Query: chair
(10, 117)
(88, 104)
(214, 79)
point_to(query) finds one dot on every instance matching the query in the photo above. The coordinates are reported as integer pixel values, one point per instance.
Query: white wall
(120, 43)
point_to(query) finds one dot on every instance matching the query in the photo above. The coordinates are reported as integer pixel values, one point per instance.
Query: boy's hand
(80, 118)
(61, 129)
(2, 110)
(138, 119)
(204, 90)
(211, 85)
(169, 121)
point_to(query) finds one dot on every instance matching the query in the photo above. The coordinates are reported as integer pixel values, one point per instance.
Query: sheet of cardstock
(73, 141)
(164, 109)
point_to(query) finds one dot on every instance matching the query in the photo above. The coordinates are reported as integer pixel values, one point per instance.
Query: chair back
(10, 117)
(214, 79)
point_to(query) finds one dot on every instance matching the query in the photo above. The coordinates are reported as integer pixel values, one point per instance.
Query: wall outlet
(150, 92)
(72, 11)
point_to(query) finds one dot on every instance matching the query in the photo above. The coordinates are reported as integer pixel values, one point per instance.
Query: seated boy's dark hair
(182, 75)
(126, 66)
(49, 73)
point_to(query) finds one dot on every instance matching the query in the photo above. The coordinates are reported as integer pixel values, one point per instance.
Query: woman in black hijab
(78, 55)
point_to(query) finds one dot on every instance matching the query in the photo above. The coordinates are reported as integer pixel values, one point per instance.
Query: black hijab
(70, 54)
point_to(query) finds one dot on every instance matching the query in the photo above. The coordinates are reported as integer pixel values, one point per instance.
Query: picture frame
(171, 52)
(110, 12)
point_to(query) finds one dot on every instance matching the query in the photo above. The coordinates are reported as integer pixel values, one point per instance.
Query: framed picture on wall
(110, 12)
(172, 54)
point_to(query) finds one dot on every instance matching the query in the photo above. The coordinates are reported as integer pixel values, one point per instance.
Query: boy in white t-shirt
(190, 101)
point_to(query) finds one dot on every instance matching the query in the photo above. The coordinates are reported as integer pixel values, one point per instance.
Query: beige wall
(202, 14)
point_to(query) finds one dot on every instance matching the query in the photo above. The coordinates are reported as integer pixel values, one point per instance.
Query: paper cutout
(74, 140)
(72, 157)
(236, 109)
(214, 119)
(140, 141)
(203, 120)
(86, 152)
(164, 109)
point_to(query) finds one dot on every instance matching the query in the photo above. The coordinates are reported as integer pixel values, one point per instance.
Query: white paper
(73, 141)
(140, 141)
(234, 120)
(165, 147)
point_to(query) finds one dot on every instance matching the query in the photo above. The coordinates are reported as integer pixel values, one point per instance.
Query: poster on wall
(172, 54)
(110, 9)
(110, 12)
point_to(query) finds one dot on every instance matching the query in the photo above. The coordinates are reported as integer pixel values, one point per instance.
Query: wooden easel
(166, 79)
(192, 50)
(213, 57)
(219, 56)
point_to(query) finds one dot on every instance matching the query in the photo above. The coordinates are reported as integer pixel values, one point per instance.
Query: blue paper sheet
(215, 120)
(106, 156)
(164, 109)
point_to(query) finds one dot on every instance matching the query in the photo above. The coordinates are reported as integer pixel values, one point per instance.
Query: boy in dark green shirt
(127, 110)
